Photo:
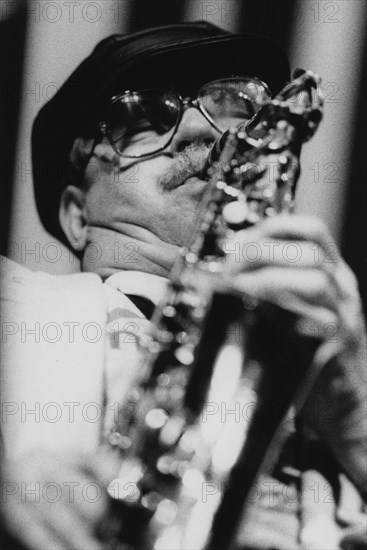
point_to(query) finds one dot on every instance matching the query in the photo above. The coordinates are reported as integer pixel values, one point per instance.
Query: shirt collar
(138, 283)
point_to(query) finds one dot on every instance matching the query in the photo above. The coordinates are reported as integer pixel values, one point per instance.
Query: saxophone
(210, 351)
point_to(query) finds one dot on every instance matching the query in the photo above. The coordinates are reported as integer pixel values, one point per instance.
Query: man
(118, 154)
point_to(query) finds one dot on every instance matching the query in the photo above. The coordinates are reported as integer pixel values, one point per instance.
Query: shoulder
(21, 285)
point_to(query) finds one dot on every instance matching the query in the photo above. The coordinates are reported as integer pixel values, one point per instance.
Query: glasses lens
(141, 123)
(231, 101)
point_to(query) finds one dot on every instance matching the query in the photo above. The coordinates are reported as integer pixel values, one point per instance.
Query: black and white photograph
(183, 313)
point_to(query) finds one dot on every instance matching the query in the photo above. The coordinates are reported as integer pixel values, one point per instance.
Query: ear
(72, 217)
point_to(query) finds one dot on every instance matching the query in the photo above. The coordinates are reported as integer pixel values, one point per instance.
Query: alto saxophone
(208, 350)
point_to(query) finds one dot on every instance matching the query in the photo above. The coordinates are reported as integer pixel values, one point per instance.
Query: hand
(56, 502)
(293, 262)
(329, 520)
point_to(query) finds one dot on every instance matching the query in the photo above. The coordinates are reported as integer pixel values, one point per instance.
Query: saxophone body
(209, 352)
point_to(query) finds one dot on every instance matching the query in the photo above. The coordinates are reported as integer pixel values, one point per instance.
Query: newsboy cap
(182, 55)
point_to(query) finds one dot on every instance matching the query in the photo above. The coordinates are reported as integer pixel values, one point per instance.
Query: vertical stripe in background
(328, 38)
(354, 243)
(59, 35)
(12, 39)
(153, 13)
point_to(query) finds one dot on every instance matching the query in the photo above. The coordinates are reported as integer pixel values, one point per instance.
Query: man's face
(152, 201)
(157, 194)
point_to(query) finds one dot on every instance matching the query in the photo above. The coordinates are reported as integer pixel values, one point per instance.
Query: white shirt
(138, 283)
(125, 326)
(69, 354)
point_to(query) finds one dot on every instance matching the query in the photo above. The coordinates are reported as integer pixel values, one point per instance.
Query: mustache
(186, 164)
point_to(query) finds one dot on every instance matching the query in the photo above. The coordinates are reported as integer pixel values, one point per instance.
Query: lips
(196, 176)
(187, 166)
(180, 179)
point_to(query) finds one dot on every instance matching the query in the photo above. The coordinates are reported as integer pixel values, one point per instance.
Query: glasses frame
(184, 103)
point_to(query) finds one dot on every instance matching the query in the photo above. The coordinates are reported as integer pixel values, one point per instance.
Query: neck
(109, 251)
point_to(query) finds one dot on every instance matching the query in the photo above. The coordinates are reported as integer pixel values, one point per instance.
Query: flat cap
(184, 55)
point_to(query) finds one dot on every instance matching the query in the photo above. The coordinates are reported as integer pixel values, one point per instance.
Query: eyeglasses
(142, 123)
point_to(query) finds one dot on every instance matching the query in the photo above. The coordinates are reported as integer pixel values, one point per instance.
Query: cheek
(168, 214)
(120, 195)
(134, 196)
(101, 201)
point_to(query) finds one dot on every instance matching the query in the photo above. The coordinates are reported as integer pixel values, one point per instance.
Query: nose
(193, 128)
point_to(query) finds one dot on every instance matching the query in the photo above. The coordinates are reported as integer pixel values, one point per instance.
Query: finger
(25, 523)
(103, 466)
(296, 227)
(248, 255)
(54, 521)
(290, 289)
(354, 540)
(318, 526)
(70, 529)
(350, 504)
(294, 239)
(74, 481)
(348, 288)
(69, 519)
(86, 496)
(34, 537)
(93, 474)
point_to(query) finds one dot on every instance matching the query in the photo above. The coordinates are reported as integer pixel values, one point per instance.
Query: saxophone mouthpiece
(215, 152)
